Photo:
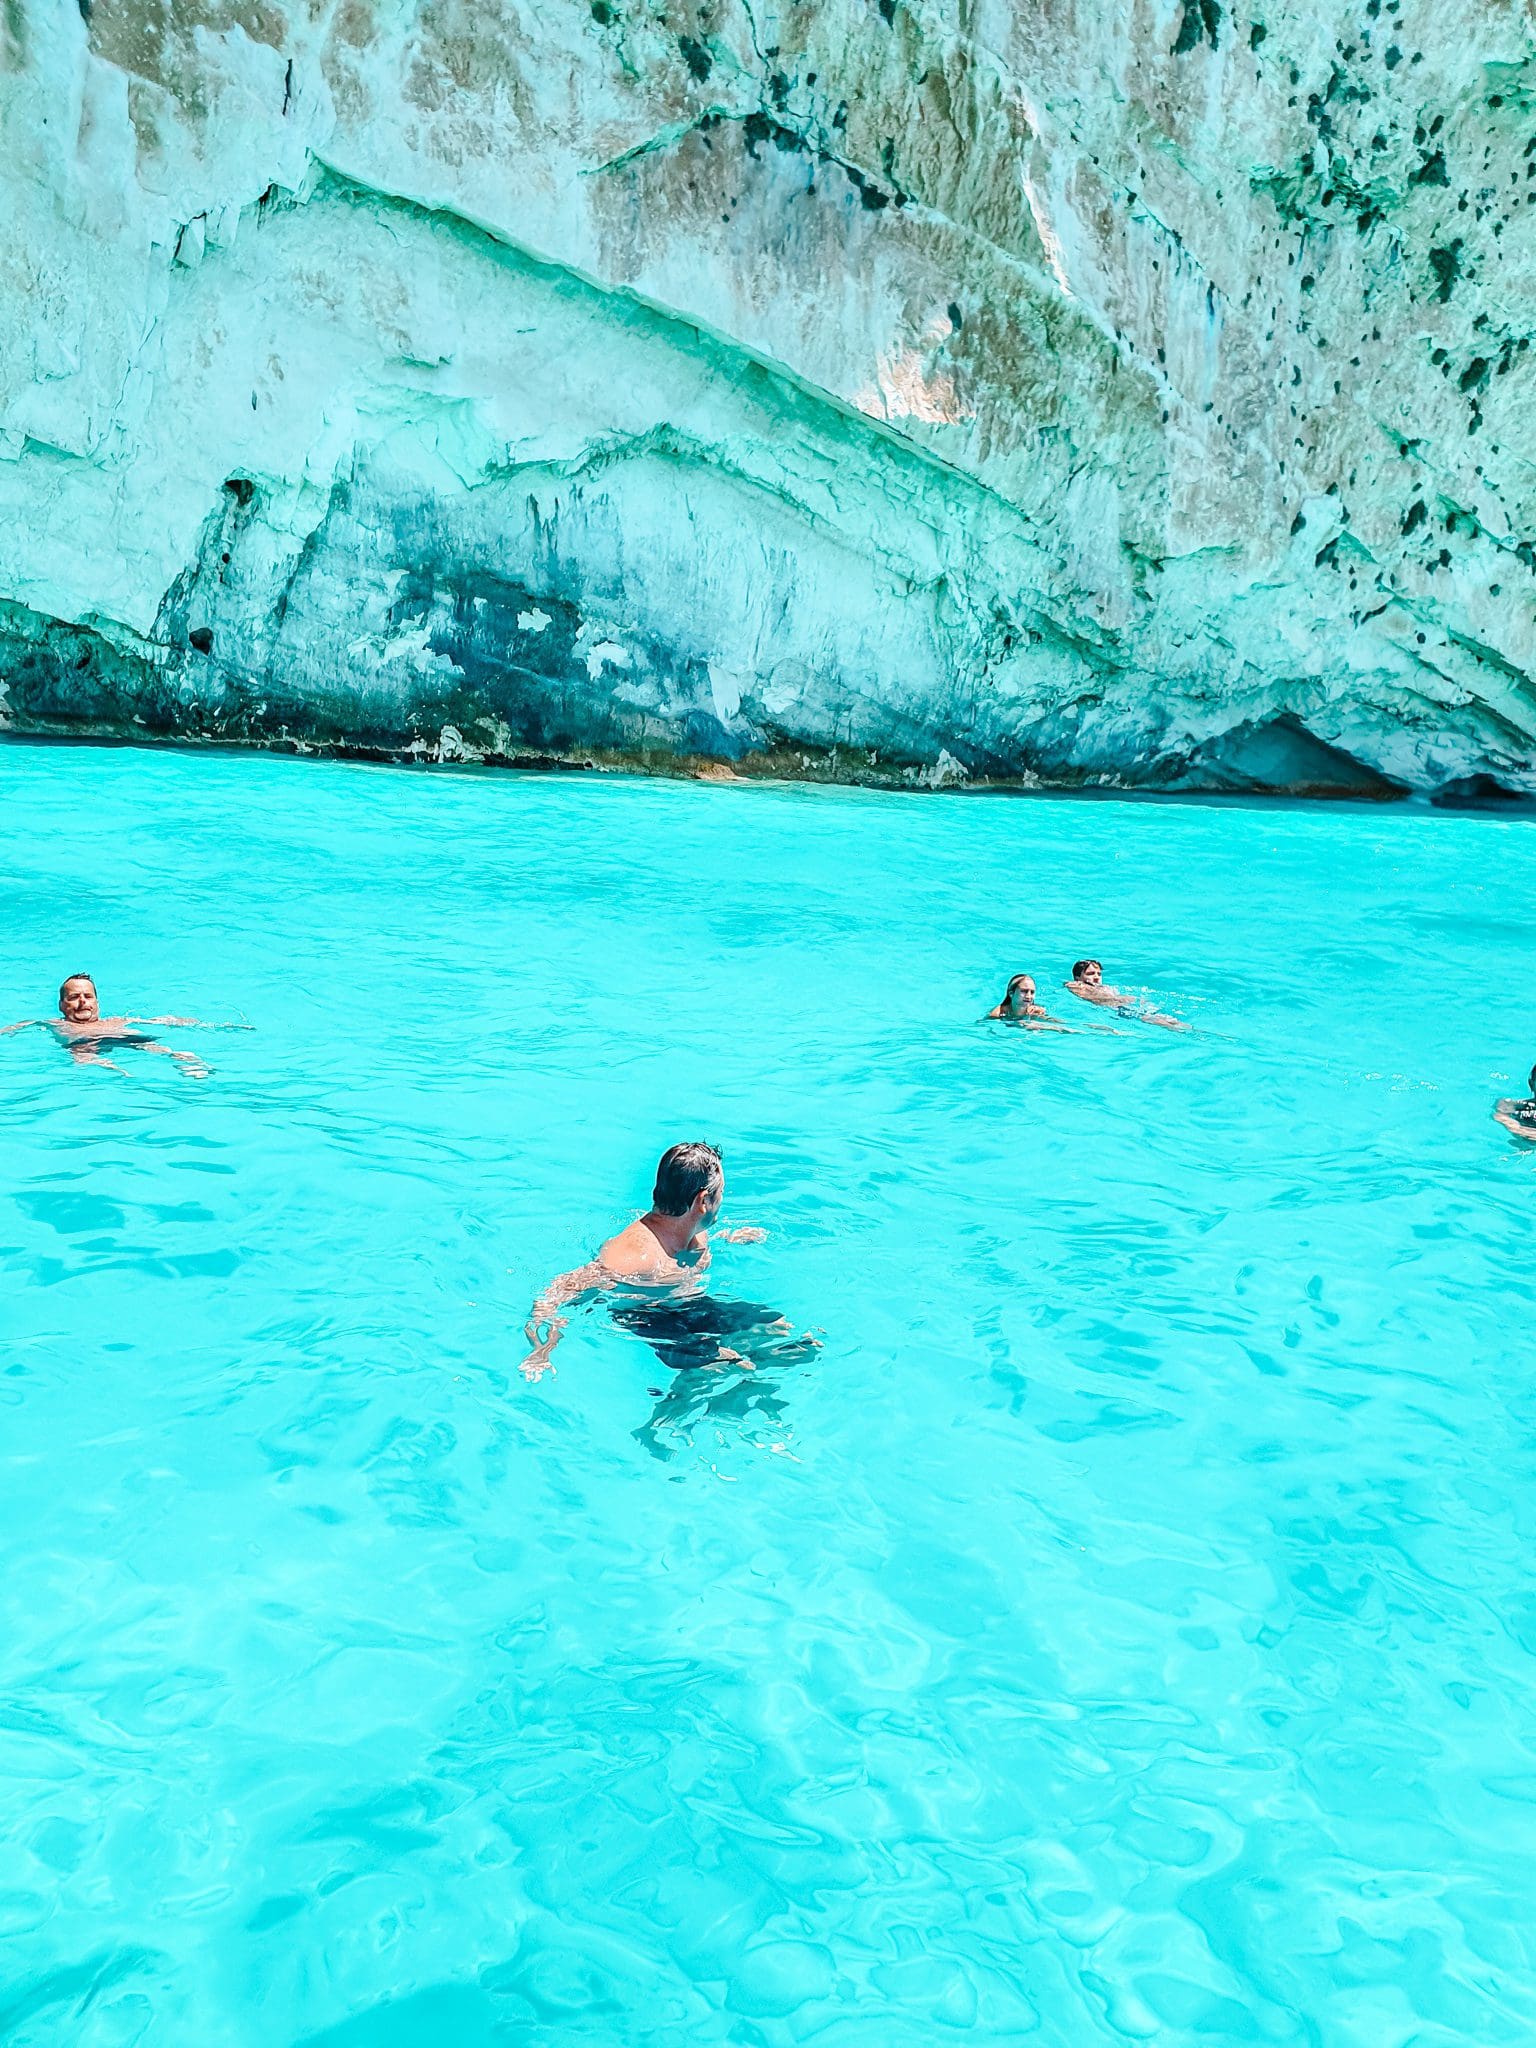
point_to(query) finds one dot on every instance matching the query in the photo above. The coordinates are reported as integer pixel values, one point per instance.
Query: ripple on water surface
(1118, 1630)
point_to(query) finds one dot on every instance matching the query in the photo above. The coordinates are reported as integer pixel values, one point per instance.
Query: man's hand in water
(538, 1362)
(746, 1233)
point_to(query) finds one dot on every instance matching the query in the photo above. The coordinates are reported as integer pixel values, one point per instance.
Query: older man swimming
(81, 1026)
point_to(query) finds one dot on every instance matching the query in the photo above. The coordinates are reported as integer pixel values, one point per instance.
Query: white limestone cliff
(914, 392)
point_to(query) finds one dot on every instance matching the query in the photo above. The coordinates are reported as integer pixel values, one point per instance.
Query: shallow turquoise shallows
(1121, 1629)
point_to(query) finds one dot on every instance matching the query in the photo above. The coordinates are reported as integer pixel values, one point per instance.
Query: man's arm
(197, 1023)
(1505, 1114)
(25, 1025)
(559, 1294)
(744, 1233)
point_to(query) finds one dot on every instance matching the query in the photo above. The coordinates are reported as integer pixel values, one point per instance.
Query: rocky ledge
(894, 392)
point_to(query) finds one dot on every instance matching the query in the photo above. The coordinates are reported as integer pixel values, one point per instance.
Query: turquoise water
(1122, 1628)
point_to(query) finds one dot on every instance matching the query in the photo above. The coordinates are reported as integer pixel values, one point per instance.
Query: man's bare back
(639, 1256)
(665, 1250)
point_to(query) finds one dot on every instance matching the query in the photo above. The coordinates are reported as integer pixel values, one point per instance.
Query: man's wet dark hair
(685, 1171)
(1079, 965)
(1531, 1084)
(64, 984)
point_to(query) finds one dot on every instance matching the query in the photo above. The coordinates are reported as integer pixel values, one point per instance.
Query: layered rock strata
(928, 393)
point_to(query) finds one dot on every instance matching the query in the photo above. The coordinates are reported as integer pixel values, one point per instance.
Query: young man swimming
(656, 1262)
(1087, 984)
(1516, 1115)
(81, 1026)
(1019, 1006)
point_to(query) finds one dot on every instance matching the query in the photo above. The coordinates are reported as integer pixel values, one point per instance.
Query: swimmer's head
(1532, 1083)
(1091, 971)
(77, 1000)
(689, 1178)
(1021, 993)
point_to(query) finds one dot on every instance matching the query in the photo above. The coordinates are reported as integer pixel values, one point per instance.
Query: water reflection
(727, 1357)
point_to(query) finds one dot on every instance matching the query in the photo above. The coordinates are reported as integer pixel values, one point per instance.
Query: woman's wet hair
(64, 984)
(1079, 967)
(1017, 982)
(685, 1172)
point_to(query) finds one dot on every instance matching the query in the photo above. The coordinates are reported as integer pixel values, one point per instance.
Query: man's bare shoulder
(634, 1254)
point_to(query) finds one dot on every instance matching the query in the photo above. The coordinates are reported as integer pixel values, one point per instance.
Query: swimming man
(1518, 1116)
(1087, 984)
(81, 1026)
(1020, 1007)
(656, 1263)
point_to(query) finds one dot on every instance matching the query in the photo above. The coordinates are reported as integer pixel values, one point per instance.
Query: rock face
(918, 392)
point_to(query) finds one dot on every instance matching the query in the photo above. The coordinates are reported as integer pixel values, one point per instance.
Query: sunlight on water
(1120, 1629)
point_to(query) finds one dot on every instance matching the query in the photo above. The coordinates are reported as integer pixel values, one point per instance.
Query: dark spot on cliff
(201, 637)
(1201, 24)
(761, 127)
(1445, 558)
(288, 87)
(695, 56)
(1298, 522)
(1394, 57)
(1256, 35)
(870, 194)
(778, 90)
(1327, 557)
(1416, 515)
(1475, 376)
(1432, 171)
(1446, 264)
(887, 11)
(85, 10)
(602, 13)
(1309, 282)
(955, 320)
(241, 489)
(840, 118)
